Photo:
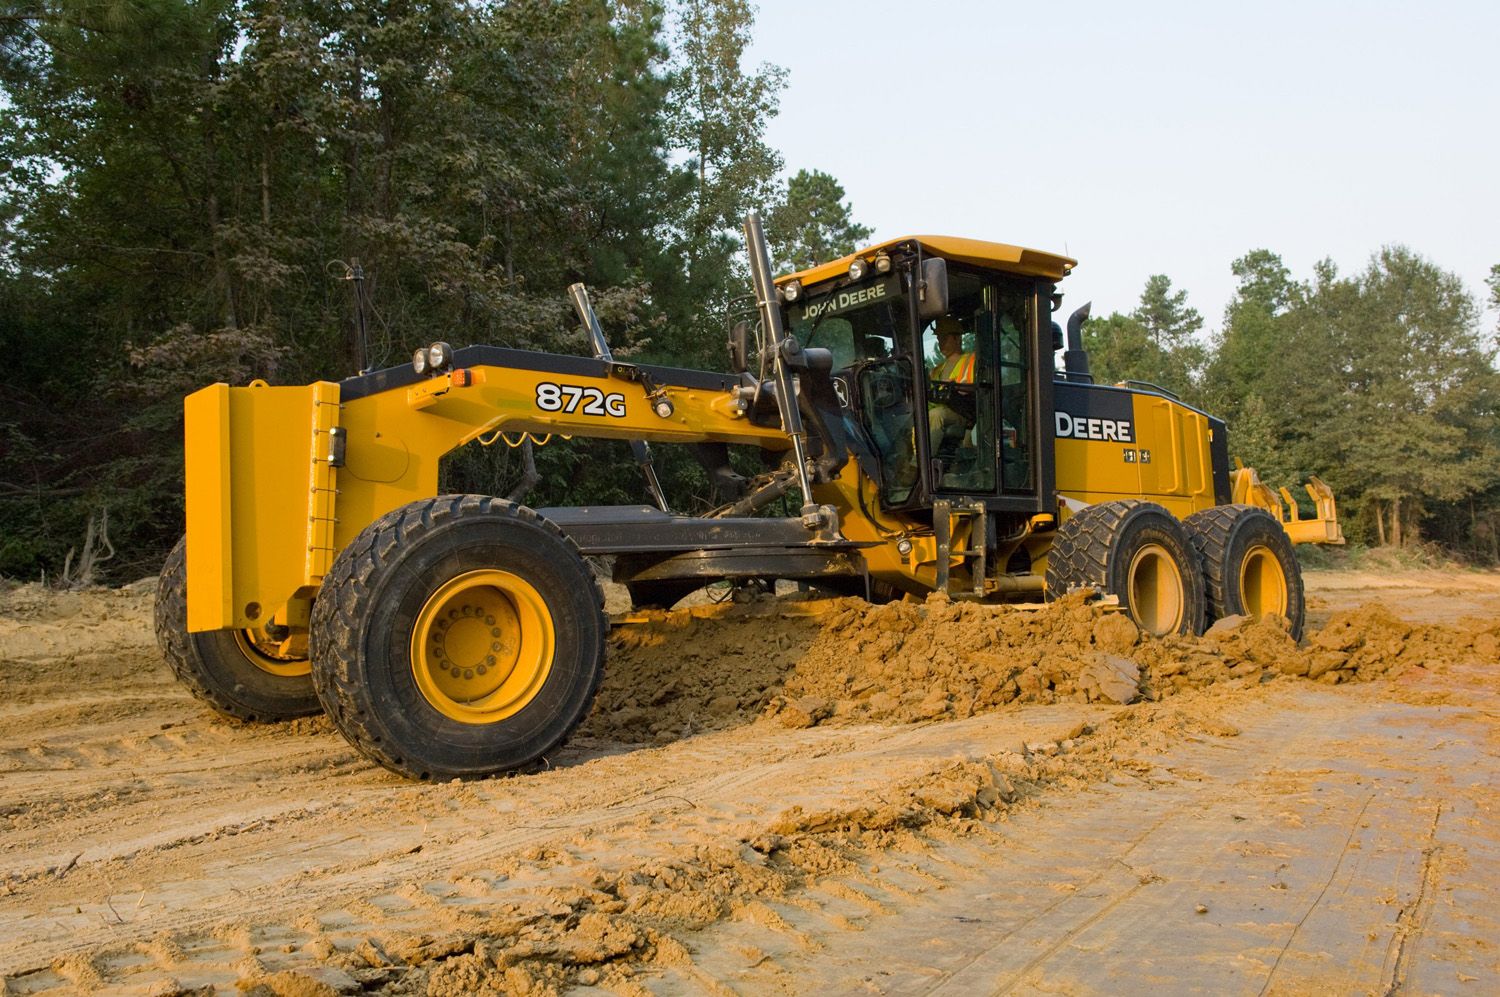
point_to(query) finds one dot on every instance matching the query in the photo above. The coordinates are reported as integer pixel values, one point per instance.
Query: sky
(1144, 138)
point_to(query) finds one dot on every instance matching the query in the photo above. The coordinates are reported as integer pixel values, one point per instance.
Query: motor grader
(915, 435)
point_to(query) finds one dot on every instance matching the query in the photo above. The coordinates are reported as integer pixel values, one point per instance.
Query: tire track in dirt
(214, 854)
(1102, 892)
(293, 873)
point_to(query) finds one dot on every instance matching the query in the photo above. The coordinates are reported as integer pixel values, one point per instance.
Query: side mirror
(739, 347)
(932, 294)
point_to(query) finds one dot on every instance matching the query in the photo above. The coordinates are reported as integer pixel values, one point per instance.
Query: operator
(954, 375)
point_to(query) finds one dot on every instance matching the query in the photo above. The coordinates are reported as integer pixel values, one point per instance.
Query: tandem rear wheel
(244, 674)
(1138, 552)
(458, 637)
(1249, 566)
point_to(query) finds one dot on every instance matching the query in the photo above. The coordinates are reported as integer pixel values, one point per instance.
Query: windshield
(853, 323)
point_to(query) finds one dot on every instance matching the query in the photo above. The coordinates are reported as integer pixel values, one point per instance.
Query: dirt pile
(907, 662)
(682, 674)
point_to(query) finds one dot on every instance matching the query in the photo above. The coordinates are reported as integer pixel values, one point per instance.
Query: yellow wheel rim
(1155, 588)
(275, 657)
(482, 646)
(1263, 587)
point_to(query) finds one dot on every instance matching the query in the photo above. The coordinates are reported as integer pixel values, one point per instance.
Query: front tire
(1138, 552)
(241, 674)
(1248, 564)
(458, 637)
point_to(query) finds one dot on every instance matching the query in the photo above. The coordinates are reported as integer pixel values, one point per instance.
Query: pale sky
(1145, 138)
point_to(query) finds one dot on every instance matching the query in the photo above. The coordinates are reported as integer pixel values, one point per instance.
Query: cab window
(862, 324)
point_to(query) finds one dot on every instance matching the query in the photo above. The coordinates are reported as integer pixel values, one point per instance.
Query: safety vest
(959, 367)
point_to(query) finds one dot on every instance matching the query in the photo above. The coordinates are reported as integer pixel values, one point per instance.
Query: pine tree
(812, 223)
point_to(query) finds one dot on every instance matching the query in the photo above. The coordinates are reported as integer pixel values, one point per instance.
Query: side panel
(1096, 442)
(1176, 467)
(1218, 450)
(1115, 443)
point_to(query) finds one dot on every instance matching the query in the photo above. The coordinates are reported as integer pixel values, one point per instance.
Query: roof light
(791, 291)
(882, 263)
(859, 269)
(439, 355)
(419, 361)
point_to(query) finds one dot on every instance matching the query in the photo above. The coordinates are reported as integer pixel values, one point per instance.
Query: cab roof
(994, 255)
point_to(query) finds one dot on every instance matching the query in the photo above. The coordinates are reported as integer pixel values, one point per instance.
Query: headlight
(791, 291)
(882, 263)
(419, 362)
(859, 269)
(439, 355)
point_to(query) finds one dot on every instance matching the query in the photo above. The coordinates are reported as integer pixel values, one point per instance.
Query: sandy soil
(792, 797)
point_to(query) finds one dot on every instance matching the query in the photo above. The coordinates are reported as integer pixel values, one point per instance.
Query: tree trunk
(265, 187)
(1396, 539)
(1380, 522)
(211, 202)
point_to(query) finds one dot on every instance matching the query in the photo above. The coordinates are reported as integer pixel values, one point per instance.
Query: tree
(1252, 339)
(1494, 282)
(716, 118)
(1422, 389)
(1165, 314)
(1154, 343)
(1378, 382)
(1120, 349)
(812, 223)
(717, 114)
(187, 182)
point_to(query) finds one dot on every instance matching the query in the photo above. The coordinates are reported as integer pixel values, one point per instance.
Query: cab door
(978, 368)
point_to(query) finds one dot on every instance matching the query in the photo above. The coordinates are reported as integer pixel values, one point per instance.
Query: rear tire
(1249, 566)
(458, 637)
(1138, 552)
(231, 671)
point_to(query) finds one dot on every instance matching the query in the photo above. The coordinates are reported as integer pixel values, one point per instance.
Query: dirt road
(791, 799)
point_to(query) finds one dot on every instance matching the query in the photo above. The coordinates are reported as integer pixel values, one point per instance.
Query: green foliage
(187, 184)
(1154, 343)
(714, 119)
(717, 112)
(1494, 282)
(812, 223)
(1380, 383)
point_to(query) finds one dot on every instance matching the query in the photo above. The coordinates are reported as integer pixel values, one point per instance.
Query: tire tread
(345, 598)
(169, 620)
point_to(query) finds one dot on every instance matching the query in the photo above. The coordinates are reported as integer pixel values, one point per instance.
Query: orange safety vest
(959, 367)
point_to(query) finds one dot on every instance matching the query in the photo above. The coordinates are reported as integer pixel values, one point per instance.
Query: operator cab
(942, 362)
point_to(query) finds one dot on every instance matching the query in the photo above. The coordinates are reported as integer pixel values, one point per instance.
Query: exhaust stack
(1075, 357)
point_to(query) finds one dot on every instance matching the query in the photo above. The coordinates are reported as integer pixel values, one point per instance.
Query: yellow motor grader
(904, 400)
